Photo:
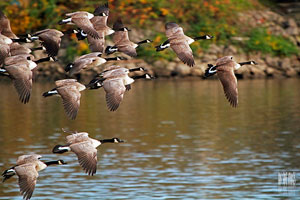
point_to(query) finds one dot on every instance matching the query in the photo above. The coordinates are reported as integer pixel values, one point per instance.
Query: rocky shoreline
(268, 66)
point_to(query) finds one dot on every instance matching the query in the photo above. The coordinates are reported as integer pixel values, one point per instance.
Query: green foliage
(261, 40)
(148, 53)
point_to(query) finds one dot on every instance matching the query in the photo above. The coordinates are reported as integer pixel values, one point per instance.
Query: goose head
(148, 76)
(208, 37)
(120, 58)
(60, 149)
(126, 29)
(61, 162)
(117, 140)
(103, 14)
(252, 62)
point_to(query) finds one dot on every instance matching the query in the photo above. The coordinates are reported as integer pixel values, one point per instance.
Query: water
(183, 141)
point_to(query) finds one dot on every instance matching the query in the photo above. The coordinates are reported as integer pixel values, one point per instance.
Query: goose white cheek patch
(64, 148)
(212, 70)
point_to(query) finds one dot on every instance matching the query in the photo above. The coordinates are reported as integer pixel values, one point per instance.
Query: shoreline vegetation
(241, 28)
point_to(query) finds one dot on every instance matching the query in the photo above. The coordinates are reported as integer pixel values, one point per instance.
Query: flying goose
(115, 82)
(16, 49)
(88, 61)
(224, 68)
(85, 149)
(99, 22)
(5, 28)
(122, 42)
(69, 90)
(50, 40)
(21, 57)
(11, 49)
(21, 74)
(4, 39)
(166, 44)
(4, 47)
(180, 43)
(82, 20)
(27, 168)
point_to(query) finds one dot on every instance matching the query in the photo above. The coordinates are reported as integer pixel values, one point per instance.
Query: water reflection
(183, 141)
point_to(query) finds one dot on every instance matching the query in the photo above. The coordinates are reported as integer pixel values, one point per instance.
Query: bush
(262, 40)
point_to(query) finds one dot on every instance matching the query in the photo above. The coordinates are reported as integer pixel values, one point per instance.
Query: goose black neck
(54, 162)
(36, 48)
(20, 40)
(108, 59)
(200, 38)
(107, 140)
(142, 42)
(165, 42)
(245, 63)
(42, 60)
(135, 69)
(139, 77)
(96, 83)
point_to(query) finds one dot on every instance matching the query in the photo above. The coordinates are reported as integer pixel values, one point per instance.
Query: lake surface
(183, 141)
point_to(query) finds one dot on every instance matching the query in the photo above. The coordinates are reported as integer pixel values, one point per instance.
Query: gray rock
(291, 72)
(272, 62)
(182, 69)
(160, 68)
(285, 63)
(230, 50)
(197, 71)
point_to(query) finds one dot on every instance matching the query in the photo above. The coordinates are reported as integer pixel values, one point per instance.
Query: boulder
(291, 72)
(160, 68)
(285, 63)
(182, 69)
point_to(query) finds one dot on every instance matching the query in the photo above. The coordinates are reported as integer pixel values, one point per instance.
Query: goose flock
(18, 63)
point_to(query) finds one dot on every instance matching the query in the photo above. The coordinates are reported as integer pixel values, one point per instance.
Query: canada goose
(85, 149)
(16, 49)
(50, 39)
(180, 43)
(5, 28)
(122, 42)
(12, 60)
(99, 22)
(224, 68)
(166, 44)
(27, 169)
(20, 57)
(82, 20)
(21, 74)
(115, 82)
(88, 61)
(4, 47)
(69, 90)
(4, 39)
(10, 48)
